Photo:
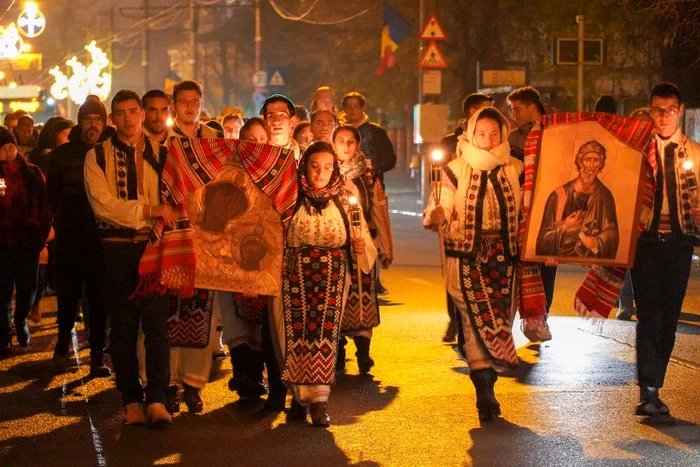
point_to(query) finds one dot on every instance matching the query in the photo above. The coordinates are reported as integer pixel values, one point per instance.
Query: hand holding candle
(436, 175)
(688, 176)
(358, 243)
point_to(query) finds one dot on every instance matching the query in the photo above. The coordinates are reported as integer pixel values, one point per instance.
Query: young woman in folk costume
(479, 214)
(320, 247)
(363, 183)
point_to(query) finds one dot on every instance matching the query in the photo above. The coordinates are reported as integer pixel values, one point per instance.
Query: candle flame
(687, 165)
(437, 155)
(352, 200)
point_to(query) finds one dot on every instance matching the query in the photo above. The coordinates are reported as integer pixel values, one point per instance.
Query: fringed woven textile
(601, 287)
(169, 260)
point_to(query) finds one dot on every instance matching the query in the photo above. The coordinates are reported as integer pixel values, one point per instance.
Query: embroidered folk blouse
(327, 230)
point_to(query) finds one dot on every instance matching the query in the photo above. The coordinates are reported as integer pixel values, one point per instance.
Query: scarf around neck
(354, 168)
(316, 199)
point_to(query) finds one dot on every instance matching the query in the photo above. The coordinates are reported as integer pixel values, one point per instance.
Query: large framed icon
(588, 190)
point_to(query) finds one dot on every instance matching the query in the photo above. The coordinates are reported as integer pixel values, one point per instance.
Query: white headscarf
(481, 159)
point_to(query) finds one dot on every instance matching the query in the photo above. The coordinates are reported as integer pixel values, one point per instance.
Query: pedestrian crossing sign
(277, 79)
(432, 57)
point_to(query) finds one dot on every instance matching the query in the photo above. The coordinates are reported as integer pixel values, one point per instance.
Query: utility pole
(193, 37)
(579, 63)
(258, 36)
(145, 53)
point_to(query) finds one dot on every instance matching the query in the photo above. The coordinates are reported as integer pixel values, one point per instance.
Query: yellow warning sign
(433, 30)
(432, 57)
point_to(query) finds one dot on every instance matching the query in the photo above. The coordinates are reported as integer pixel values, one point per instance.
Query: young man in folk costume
(279, 113)
(527, 109)
(122, 185)
(358, 179)
(316, 277)
(479, 212)
(665, 248)
(190, 359)
(187, 107)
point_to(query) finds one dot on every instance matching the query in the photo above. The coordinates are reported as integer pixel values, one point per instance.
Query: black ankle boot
(486, 403)
(649, 403)
(247, 372)
(364, 362)
(340, 362)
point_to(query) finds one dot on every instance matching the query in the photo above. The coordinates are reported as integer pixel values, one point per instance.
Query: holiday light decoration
(11, 43)
(84, 80)
(31, 21)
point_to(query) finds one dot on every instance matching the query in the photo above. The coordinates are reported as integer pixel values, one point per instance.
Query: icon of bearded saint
(580, 219)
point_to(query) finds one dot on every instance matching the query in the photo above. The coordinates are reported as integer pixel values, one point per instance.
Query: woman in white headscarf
(479, 214)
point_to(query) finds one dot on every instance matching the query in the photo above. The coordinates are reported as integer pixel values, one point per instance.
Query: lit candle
(688, 176)
(2, 187)
(356, 223)
(436, 175)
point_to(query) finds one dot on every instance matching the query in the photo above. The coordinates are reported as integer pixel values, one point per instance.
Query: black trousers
(18, 270)
(120, 265)
(78, 268)
(660, 278)
(549, 275)
(274, 376)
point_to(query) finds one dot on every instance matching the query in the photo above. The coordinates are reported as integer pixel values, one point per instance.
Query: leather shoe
(192, 399)
(275, 401)
(98, 369)
(134, 415)
(172, 401)
(158, 417)
(297, 411)
(23, 336)
(319, 414)
(650, 405)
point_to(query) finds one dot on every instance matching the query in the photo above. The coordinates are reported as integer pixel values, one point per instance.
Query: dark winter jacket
(377, 146)
(66, 187)
(25, 218)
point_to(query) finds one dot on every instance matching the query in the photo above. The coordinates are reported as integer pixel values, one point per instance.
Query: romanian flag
(171, 79)
(395, 31)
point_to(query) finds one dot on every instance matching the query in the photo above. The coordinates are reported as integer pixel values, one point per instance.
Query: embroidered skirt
(189, 321)
(487, 284)
(366, 317)
(312, 292)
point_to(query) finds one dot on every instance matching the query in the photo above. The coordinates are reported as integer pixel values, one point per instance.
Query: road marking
(95, 435)
(406, 213)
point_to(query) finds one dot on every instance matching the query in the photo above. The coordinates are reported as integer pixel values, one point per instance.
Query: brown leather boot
(319, 414)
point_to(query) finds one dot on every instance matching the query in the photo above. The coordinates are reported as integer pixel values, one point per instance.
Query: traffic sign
(432, 57)
(31, 21)
(433, 30)
(277, 77)
(565, 51)
(259, 96)
(260, 79)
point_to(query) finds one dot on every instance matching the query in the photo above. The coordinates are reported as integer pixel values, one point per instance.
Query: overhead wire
(288, 16)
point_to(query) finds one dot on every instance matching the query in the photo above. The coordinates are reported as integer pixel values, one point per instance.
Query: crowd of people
(93, 191)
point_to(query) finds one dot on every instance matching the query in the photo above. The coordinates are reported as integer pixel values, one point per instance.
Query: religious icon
(237, 234)
(586, 203)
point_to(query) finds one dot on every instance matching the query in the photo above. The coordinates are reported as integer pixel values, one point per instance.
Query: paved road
(569, 404)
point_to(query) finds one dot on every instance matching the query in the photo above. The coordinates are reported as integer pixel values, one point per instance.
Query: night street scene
(359, 233)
